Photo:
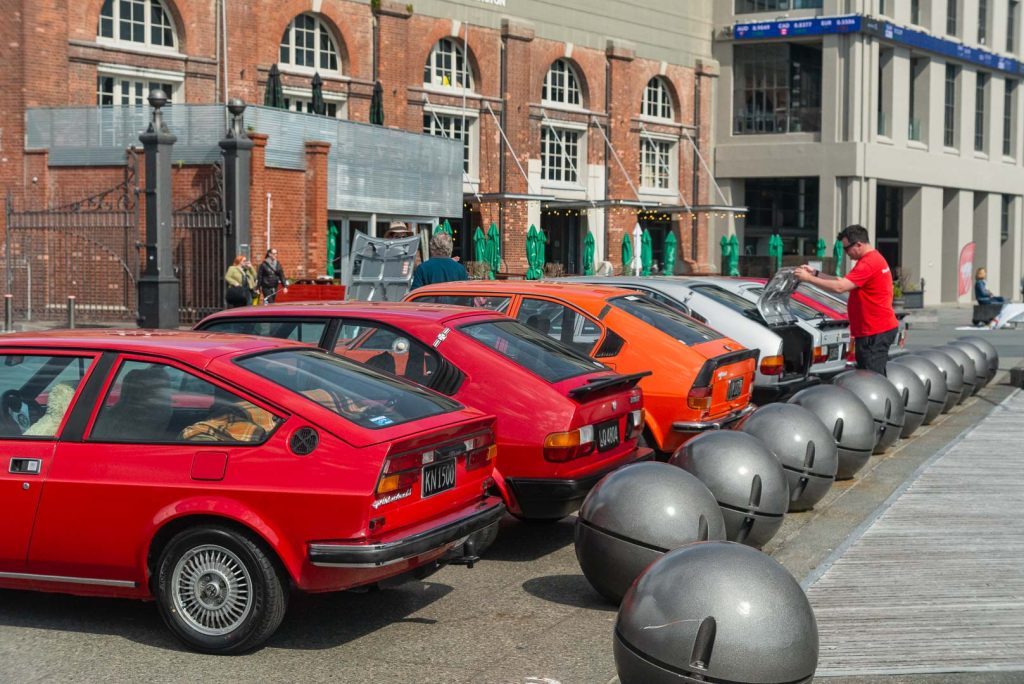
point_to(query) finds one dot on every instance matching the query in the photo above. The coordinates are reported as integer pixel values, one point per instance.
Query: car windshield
(736, 302)
(357, 393)
(834, 303)
(669, 321)
(800, 310)
(532, 350)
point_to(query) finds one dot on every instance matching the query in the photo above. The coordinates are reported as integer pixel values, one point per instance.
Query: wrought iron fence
(199, 257)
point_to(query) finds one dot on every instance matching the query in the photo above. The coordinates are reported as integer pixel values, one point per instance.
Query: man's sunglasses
(850, 246)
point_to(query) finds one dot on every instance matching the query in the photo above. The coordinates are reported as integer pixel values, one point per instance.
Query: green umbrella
(318, 105)
(332, 246)
(724, 244)
(734, 255)
(646, 253)
(588, 254)
(542, 251)
(532, 243)
(479, 245)
(443, 228)
(627, 254)
(670, 253)
(837, 254)
(493, 250)
(775, 251)
(273, 96)
(377, 105)
(821, 248)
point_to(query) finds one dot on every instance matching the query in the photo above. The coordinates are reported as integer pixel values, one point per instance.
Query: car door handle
(26, 466)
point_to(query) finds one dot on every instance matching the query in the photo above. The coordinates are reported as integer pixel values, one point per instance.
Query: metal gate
(86, 249)
(199, 260)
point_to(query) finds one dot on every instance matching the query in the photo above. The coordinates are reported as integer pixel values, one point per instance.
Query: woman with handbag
(237, 292)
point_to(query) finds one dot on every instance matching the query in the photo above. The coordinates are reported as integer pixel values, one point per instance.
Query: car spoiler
(711, 365)
(606, 383)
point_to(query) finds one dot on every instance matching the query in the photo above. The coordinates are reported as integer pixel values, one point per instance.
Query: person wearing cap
(440, 267)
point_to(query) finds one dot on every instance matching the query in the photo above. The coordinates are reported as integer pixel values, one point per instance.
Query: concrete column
(965, 112)
(899, 107)
(1011, 267)
(829, 220)
(237, 150)
(922, 240)
(987, 248)
(158, 286)
(933, 111)
(957, 231)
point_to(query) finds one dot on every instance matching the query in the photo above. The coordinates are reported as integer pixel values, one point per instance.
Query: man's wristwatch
(817, 273)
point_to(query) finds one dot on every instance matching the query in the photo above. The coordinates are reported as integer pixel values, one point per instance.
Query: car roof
(390, 310)
(577, 292)
(196, 348)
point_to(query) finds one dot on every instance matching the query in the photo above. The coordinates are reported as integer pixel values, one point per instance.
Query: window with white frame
(656, 168)
(562, 85)
(126, 86)
(657, 102)
(140, 22)
(454, 126)
(298, 100)
(446, 66)
(559, 154)
(307, 43)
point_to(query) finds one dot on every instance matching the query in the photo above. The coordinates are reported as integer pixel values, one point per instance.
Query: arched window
(307, 43)
(657, 102)
(446, 66)
(143, 22)
(561, 85)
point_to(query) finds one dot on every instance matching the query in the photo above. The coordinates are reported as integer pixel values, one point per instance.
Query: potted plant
(913, 295)
(897, 295)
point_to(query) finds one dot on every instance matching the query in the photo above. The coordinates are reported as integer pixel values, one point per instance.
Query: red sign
(966, 269)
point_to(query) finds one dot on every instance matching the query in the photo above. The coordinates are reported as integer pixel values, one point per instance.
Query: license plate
(833, 352)
(607, 435)
(438, 477)
(735, 388)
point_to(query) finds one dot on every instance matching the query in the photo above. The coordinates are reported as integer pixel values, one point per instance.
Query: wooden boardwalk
(935, 583)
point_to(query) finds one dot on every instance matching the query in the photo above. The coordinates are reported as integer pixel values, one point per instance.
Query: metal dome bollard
(966, 365)
(990, 351)
(849, 421)
(914, 395)
(804, 447)
(636, 514)
(745, 478)
(882, 400)
(933, 379)
(715, 612)
(980, 360)
(951, 371)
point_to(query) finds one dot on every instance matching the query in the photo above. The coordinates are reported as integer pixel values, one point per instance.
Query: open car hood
(774, 301)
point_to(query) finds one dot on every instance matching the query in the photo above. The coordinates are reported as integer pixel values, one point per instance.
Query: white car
(774, 302)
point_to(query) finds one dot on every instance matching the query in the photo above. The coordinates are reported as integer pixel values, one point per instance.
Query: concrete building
(903, 116)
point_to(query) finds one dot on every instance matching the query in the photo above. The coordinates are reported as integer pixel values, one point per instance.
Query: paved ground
(525, 615)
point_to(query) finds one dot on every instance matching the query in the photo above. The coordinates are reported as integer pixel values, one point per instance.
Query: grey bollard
(8, 313)
(71, 311)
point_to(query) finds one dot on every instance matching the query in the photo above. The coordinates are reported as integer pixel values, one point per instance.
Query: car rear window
(732, 300)
(669, 321)
(837, 305)
(532, 350)
(285, 329)
(360, 394)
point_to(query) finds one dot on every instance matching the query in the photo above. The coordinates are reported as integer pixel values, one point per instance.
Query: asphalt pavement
(524, 615)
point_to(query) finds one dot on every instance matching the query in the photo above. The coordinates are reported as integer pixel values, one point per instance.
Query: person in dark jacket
(981, 291)
(271, 276)
(440, 267)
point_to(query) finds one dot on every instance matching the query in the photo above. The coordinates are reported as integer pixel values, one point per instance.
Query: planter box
(913, 300)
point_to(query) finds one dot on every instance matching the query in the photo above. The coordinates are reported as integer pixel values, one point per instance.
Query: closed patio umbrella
(318, 104)
(443, 228)
(821, 248)
(627, 254)
(377, 105)
(671, 249)
(479, 245)
(332, 246)
(837, 255)
(273, 96)
(646, 253)
(588, 254)
(734, 255)
(493, 250)
(532, 244)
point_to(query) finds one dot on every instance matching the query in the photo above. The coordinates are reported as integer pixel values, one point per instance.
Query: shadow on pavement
(521, 541)
(568, 590)
(313, 622)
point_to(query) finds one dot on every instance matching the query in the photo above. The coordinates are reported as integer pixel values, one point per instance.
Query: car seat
(384, 361)
(143, 411)
(539, 323)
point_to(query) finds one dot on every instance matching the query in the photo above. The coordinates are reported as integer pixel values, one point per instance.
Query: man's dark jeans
(873, 351)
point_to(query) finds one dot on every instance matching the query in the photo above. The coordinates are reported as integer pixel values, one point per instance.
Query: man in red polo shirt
(872, 319)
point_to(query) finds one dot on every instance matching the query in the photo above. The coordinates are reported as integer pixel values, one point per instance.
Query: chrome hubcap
(212, 590)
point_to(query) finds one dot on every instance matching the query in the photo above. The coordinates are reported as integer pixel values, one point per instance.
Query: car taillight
(903, 339)
(699, 398)
(634, 424)
(402, 471)
(772, 365)
(560, 447)
(820, 354)
(851, 351)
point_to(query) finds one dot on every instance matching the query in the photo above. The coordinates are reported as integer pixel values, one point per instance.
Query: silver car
(831, 336)
(785, 348)
(838, 303)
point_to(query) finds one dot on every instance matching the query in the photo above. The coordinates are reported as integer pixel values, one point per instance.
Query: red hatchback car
(563, 420)
(215, 472)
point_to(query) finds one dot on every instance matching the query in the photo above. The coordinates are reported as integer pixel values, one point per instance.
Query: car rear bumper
(723, 423)
(348, 555)
(548, 499)
(767, 394)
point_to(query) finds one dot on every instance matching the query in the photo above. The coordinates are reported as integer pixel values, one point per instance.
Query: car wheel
(218, 591)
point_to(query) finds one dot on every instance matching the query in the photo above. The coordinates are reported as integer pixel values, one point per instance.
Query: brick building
(569, 117)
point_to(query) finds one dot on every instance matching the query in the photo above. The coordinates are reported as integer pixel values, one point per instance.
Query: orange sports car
(701, 380)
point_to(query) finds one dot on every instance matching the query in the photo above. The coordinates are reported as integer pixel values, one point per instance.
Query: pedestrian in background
(981, 291)
(872, 318)
(440, 267)
(252, 289)
(237, 292)
(271, 276)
